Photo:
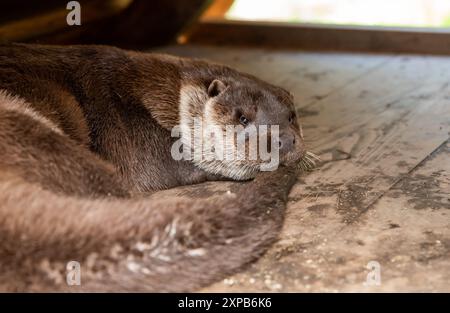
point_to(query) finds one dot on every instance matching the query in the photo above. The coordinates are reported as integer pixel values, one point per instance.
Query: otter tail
(134, 244)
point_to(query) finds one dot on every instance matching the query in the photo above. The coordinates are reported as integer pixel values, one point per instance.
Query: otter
(85, 133)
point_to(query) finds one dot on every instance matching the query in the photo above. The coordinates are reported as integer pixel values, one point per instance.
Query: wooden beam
(55, 20)
(217, 9)
(124, 23)
(322, 37)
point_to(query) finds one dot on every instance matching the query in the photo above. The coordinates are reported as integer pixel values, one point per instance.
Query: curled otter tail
(135, 244)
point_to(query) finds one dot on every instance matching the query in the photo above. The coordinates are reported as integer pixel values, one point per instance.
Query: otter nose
(286, 143)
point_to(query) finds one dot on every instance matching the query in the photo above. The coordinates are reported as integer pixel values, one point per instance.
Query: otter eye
(244, 121)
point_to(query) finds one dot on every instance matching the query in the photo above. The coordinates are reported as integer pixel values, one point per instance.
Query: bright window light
(420, 13)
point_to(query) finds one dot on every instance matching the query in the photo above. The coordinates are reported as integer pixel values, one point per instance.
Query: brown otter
(82, 128)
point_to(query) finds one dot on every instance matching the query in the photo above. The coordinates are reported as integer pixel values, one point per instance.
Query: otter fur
(85, 132)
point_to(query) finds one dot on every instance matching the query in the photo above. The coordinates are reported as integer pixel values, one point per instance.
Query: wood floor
(381, 125)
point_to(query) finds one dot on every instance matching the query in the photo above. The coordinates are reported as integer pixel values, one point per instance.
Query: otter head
(238, 126)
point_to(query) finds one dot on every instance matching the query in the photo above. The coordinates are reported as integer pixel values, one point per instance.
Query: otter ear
(216, 87)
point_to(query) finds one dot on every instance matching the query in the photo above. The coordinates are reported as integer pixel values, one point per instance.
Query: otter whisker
(309, 161)
(304, 165)
(313, 155)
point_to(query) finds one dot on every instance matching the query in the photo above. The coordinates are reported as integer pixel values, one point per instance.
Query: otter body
(85, 128)
(94, 96)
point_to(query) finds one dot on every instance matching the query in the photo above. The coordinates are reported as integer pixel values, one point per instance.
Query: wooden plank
(322, 37)
(309, 76)
(372, 131)
(407, 232)
(377, 129)
(374, 113)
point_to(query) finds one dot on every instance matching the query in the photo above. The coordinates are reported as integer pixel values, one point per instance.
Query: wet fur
(80, 138)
